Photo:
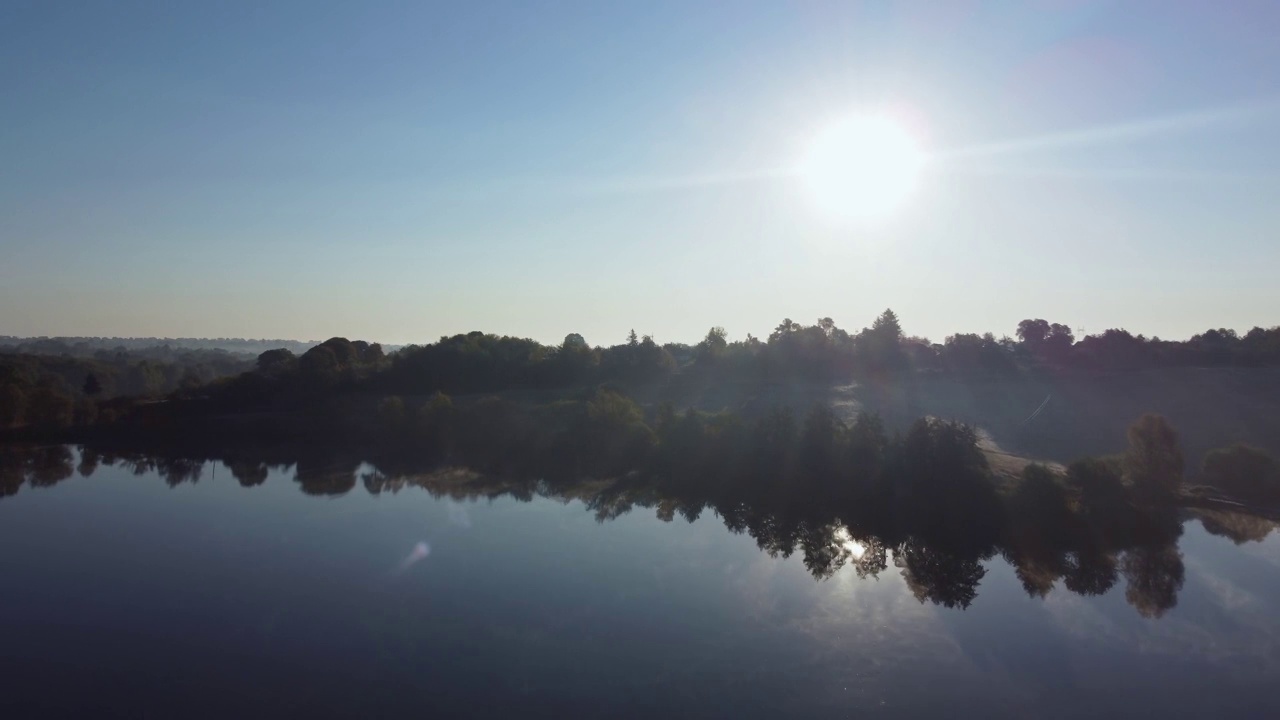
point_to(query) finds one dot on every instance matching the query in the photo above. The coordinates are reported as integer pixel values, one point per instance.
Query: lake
(137, 590)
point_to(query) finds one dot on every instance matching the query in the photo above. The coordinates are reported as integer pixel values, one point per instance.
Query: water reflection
(37, 467)
(1084, 544)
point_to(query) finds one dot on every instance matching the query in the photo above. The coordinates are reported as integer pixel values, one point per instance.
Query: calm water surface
(125, 597)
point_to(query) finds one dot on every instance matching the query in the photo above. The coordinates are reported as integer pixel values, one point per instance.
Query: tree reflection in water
(1051, 532)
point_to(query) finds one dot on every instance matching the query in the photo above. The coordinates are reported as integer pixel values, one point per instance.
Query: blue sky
(399, 171)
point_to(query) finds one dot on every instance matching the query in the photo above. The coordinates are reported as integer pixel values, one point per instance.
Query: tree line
(60, 391)
(38, 390)
(477, 362)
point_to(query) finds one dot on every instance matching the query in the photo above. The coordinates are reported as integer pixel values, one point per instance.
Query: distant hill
(88, 346)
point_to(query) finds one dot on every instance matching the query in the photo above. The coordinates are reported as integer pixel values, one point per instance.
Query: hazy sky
(399, 171)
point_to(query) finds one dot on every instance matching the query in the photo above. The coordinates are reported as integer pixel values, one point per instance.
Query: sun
(863, 167)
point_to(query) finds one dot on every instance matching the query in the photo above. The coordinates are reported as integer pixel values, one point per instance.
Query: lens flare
(415, 556)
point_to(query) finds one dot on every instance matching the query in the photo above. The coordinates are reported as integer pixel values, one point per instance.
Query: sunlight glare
(863, 167)
(846, 543)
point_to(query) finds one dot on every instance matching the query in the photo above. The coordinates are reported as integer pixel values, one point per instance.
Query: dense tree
(1240, 528)
(1033, 333)
(1057, 346)
(13, 405)
(1154, 574)
(943, 478)
(249, 474)
(868, 445)
(976, 354)
(85, 411)
(89, 459)
(880, 346)
(369, 354)
(1153, 463)
(1099, 483)
(344, 351)
(887, 326)
(1117, 349)
(941, 577)
(713, 345)
(275, 362)
(1045, 341)
(116, 374)
(1243, 472)
(319, 367)
(49, 465)
(321, 475)
(574, 360)
(146, 379)
(614, 438)
(49, 407)
(391, 413)
(784, 330)
(820, 443)
(1090, 570)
